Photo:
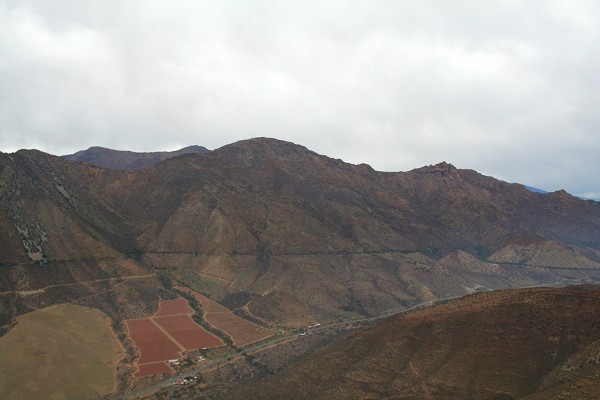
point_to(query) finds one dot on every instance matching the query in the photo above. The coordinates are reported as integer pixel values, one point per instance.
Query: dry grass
(59, 352)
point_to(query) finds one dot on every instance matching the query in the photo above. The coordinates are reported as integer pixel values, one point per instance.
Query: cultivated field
(154, 344)
(173, 307)
(241, 331)
(59, 352)
(166, 335)
(187, 333)
(209, 306)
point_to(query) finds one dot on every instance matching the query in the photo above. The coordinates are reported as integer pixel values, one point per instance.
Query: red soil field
(187, 333)
(166, 335)
(153, 369)
(170, 331)
(154, 345)
(173, 307)
(241, 331)
(208, 305)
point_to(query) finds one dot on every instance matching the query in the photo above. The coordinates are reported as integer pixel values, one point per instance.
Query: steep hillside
(533, 343)
(64, 241)
(127, 160)
(303, 237)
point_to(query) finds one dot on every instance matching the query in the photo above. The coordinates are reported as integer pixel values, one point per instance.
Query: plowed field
(241, 331)
(187, 333)
(173, 307)
(166, 335)
(153, 343)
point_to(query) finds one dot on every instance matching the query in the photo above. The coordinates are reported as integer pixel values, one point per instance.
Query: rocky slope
(63, 241)
(288, 235)
(305, 237)
(527, 343)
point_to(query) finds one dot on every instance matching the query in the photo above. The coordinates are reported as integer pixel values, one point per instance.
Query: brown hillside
(64, 242)
(329, 239)
(541, 343)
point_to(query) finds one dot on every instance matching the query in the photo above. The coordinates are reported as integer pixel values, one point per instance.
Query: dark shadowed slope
(500, 345)
(128, 160)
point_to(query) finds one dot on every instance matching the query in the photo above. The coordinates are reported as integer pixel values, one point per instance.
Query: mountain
(536, 190)
(516, 344)
(278, 231)
(63, 241)
(127, 160)
(303, 238)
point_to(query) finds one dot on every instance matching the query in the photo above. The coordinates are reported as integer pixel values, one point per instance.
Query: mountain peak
(255, 152)
(443, 169)
(263, 143)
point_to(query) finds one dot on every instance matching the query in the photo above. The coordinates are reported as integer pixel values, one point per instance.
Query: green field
(59, 352)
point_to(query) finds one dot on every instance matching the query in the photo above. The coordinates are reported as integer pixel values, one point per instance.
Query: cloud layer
(509, 88)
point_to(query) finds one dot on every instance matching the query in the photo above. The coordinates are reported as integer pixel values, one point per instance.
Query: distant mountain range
(128, 160)
(535, 190)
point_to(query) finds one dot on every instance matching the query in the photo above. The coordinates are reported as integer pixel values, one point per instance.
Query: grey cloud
(508, 88)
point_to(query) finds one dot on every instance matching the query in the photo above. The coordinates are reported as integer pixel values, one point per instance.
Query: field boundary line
(171, 338)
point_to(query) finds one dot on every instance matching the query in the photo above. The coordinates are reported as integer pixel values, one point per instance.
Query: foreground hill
(127, 160)
(277, 231)
(528, 343)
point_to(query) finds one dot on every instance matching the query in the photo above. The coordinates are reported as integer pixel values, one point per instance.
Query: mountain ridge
(288, 229)
(126, 160)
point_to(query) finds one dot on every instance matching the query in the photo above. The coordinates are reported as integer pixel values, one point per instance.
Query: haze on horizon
(508, 88)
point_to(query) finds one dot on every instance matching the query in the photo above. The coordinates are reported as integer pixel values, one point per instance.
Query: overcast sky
(508, 88)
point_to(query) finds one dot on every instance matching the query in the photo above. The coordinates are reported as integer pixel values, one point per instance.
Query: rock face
(298, 236)
(526, 343)
(127, 160)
